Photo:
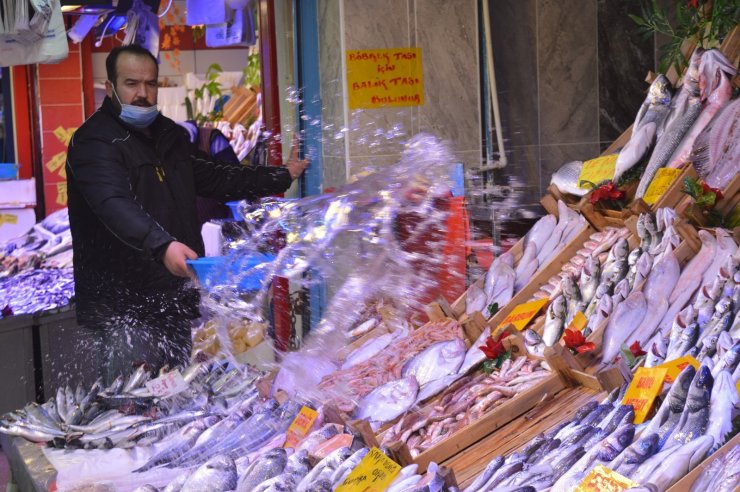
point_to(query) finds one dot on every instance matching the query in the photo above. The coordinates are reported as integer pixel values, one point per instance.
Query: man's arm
(103, 179)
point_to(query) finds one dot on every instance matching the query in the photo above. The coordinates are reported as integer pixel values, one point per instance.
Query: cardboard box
(18, 193)
(15, 222)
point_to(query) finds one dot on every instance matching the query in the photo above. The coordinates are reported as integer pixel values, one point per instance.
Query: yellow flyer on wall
(384, 78)
(597, 170)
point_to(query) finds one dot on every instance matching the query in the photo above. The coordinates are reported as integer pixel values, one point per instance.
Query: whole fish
(589, 281)
(218, 473)
(347, 466)
(553, 240)
(475, 355)
(554, 321)
(724, 401)
(475, 300)
(572, 295)
(728, 361)
(388, 401)
(534, 343)
(566, 178)
(501, 289)
(368, 350)
(656, 106)
(635, 455)
(436, 361)
(695, 416)
(540, 232)
(183, 442)
(676, 464)
(722, 474)
(626, 317)
(669, 414)
(635, 149)
(268, 466)
(723, 148)
(495, 270)
(526, 267)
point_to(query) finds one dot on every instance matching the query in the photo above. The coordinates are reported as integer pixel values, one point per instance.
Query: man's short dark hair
(133, 49)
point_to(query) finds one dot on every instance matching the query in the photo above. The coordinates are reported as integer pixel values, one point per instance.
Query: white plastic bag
(205, 12)
(26, 47)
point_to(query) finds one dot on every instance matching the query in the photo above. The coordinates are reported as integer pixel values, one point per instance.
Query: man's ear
(109, 89)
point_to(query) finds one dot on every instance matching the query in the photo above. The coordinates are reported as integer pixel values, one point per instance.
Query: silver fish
(218, 473)
(656, 106)
(554, 321)
(695, 416)
(368, 350)
(347, 466)
(669, 414)
(268, 466)
(728, 361)
(566, 178)
(636, 454)
(388, 401)
(677, 463)
(657, 353)
(436, 361)
(474, 355)
(724, 400)
(589, 281)
(572, 295)
(534, 343)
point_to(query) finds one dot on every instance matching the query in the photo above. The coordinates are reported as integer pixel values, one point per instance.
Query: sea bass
(218, 473)
(695, 416)
(566, 178)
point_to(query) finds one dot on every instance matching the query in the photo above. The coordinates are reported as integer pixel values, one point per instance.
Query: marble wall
(447, 33)
(570, 78)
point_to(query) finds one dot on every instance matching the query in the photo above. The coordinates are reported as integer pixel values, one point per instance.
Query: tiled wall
(446, 31)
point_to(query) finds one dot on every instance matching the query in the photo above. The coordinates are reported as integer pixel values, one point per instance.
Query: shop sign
(385, 78)
(168, 384)
(675, 367)
(597, 170)
(521, 315)
(643, 390)
(660, 184)
(579, 322)
(602, 479)
(300, 426)
(375, 473)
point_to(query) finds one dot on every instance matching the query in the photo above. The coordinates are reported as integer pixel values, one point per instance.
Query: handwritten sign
(521, 315)
(675, 366)
(168, 384)
(385, 78)
(579, 322)
(8, 219)
(375, 473)
(602, 479)
(301, 425)
(643, 390)
(597, 170)
(660, 184)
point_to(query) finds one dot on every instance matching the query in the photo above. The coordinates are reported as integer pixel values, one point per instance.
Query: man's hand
(295, 165)
(174, 259)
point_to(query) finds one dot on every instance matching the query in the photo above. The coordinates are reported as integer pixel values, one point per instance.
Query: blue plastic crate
(212, 271)
(234, 207)
(8, 170)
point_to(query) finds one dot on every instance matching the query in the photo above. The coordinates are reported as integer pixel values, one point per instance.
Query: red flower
(575, 340)
(717, 192)
(606, 192)
(636, 349)
(693, 4)
(494, 348)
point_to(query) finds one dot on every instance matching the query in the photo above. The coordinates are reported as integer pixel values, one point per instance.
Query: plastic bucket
(219, 270)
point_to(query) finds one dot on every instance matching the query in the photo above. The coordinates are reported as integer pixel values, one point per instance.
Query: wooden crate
(684, 485)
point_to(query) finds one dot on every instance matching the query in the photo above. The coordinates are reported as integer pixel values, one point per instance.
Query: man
(132, 186)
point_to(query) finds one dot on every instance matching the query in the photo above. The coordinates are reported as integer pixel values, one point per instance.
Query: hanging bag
(40, 38)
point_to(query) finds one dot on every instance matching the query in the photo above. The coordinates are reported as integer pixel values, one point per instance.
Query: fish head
(220, 462)
(724, 306)
(592, 267)
(453, 349)
(701, 386)
(634, 256)
(687, 316)
(648, 445)
(531, 337)
(622, 437)
(715, 72)
(621, 249)
(660, 91)
(559, 306)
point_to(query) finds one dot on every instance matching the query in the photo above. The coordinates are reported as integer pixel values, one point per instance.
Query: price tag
(602, 479)
(737, 385)
(167, 385)
(663, 179)
(597, 170)
(579, 322)
(643, 390)
(521, 315)
(675, 367)
(375, 473)
(301, 425)
(8, 219)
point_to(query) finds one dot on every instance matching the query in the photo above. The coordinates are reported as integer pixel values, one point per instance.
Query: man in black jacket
(132, 187)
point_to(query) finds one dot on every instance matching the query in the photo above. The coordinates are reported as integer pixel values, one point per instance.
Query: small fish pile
(105, 417)
(503, 279)
(722, 474)
(36, 290)
(694, 419)
(348, 386)
(465, 400)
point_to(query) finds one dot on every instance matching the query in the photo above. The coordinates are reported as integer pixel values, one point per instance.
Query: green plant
(702, 22)
(704, 199)
(251, 72)
(213, 89)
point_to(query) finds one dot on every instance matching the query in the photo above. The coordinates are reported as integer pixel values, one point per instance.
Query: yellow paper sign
(375, 473)
(301, 425)
(521, 315)
(597, 170)
(660, 184)
(384, 78)
(643, 390)
(8, 219)
(64, 135)
(675, 367)
(602, 479)
(737, 385)
(579, 322)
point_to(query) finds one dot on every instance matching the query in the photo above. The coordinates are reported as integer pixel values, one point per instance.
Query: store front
(510, 263)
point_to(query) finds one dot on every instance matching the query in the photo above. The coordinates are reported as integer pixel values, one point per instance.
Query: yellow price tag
(737, 385)
(301, 425)
(578, 322)
(521, 315)
(597, 170)
(643, 390)
(602, 479)
(660, 184)
(8, 219)
(675, 367)
(375, 473)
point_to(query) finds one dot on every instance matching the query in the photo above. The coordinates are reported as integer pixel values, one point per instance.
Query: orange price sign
(602, 479)
(643, 390)
(521, 315)
(300, 426)
(675, 367)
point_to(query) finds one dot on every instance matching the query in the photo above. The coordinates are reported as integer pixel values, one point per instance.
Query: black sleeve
(226, 181)
(103, 179)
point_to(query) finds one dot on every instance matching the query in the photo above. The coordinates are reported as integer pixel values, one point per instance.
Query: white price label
(167, 385)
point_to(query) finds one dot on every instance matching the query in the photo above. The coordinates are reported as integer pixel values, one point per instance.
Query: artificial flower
(575, 340)
(636, 349)
(606, 192)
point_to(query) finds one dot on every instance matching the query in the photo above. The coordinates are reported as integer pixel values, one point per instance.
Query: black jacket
(129, 196)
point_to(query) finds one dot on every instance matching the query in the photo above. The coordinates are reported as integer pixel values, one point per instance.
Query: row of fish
(694, 419)
(464, 400)
(506, 276)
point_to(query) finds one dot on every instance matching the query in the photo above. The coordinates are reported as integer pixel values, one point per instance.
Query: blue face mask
(137, 116)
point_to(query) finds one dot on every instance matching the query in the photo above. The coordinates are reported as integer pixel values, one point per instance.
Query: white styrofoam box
(171, 102)
(212, 238)
(18, 193)
(15, 222)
